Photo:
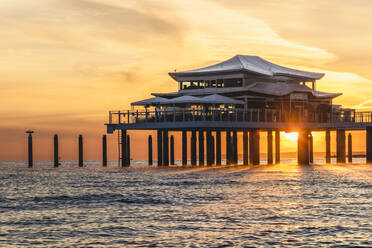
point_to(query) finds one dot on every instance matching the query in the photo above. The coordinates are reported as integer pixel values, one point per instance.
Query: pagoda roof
(250, 64)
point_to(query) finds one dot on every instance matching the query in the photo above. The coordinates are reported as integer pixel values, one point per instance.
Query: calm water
(281, 205)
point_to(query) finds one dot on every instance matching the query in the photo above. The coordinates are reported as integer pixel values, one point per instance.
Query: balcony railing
(248, 115)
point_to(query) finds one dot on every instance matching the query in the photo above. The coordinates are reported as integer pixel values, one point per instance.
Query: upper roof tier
(247, 64)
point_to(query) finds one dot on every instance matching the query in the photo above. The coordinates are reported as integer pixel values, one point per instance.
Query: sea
(284, 205)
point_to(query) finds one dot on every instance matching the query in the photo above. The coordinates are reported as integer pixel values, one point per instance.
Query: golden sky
(65, 63)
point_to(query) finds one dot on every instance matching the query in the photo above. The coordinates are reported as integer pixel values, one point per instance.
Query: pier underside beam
(184, 147)
(340, 140)
(277, 147)
(269, 147)
(193, 148)
(369, 145)
(201, 147)
(245, 147)
(160, 147)
(218, 147)
(303, 157)
(328, 146)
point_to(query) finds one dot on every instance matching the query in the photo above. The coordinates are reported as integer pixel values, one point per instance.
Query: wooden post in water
(311, 148)
(81, 151)
(123, 147)
(184, 148)
(245, 147)
(172, 150)
(228, 147)
(277, 147)
(369, 145)
(328, 146)
(350, 148)
(127, 164)
(104, 150)
(201, 147)
(193, 148)
(30, 153)
(218, 147)
(269, 147)
(150, 149)
(165, 148)
(160, 147)
(56, 162)
(235, 147)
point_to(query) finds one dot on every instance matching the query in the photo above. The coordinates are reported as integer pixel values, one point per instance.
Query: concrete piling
(277, 147)
(340, 140)
(160, 147)
(311, 148)
(201, 147)
(328, 146)
(184, 148)
(165, 148)
(218, 147)
(369, 144)
(128, 151)
(245, 147)
(235, 147)
(350, 148)
(30, 153)
(150, 150)
(303, 148)
(193, 148)
(209, 146)
(104, 150)
(213, 151)
(255, 147)
(80, 150)
(228, 147)
(269, 147)
(123, 147)
(56, 162)
(172, 150)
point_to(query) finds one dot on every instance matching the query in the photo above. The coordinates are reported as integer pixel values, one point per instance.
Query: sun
(290, 136)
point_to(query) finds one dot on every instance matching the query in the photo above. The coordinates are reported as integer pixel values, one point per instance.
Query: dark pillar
(209, 148)
(350, 148)
(245, 147)
(303, 148)
(328, 146)
(213, 151)
(30, 154)
(255, 147)
(235, 146)
(228, 147)
(218, 147)
(150, 149)
(56, 162)
(160, 147)
(251, 150)
(201, 147)
(128, 151)
(80, 150)
(104, 150)
(165, 148)
(369, 144)
(123, 147)
(277, 147)
(184, 148)
(311, 148)
(269, 147)
(172, 150)
(193, 147)
(340, 139)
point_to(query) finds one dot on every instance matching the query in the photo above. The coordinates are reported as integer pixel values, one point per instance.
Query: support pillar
(123, 147)
(209, 148)
(369, 144)
(165, 148)
(30, 153)
(213, 151)
(228, 147)
(311, 148)
(128, 151)
(80, 150)
(56, 162)
(160, 147)
(303, 148)
(104, 151)
(218, 148)
(245, 147)
(201, 147)
(150, 149)
(269, 147)
(172, 150)
(255, 143)
(235, 147)
(277, 147)
(350, 148)
(340, 139)
(184, 148)
(328, 146)
(193, 148)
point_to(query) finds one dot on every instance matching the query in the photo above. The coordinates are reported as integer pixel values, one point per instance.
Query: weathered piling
(193, 148)
(311, 148)
(340, 140)
(350, 148)
(228, 147)
(269, 147)
(369, 144)
(160, 147)
(235, 146)
(81, 151)
(184, 148)
(165, 148)
(303, 148)
(104, 150)
(128, 151)
(172, 150)
(245, 147)
(277, 147)
(201, 147)
(123, 142)
(328, 146)
(218, 147)
(30, 153)
(56, 162)
(150, 150)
